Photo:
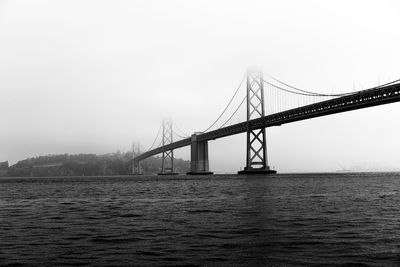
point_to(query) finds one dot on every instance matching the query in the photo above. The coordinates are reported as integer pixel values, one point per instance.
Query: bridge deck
(358, 100)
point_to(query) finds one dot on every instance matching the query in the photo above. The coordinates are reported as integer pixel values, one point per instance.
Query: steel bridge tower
(256, 154)
(167, 163)
(136, 168)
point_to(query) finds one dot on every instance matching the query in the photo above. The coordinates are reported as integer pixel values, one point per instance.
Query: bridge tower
(167, 164)
(136, 168)
(256, 154)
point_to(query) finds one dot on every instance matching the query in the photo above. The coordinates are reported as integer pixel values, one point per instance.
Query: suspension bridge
(285, 104)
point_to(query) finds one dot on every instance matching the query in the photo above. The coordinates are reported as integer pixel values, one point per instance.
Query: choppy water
(281, 220)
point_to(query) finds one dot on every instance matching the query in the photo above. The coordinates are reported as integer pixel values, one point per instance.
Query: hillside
(86, 165)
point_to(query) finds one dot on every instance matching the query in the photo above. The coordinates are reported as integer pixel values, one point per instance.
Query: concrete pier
(198, 157)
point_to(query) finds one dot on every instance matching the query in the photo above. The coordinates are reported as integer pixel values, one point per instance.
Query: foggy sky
(93, 76)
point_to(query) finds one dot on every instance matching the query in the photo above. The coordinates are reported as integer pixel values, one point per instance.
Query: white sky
(91, 76)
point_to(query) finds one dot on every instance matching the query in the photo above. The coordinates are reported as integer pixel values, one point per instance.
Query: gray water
(280, 220)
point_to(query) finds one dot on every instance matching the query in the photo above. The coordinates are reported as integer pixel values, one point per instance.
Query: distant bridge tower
(136, 168)
(167, 164)
(256, 155)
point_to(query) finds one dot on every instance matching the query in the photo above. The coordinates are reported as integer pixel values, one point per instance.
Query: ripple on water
(285, 220)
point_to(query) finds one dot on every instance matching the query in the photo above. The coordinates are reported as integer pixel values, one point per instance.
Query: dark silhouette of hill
(87, 165)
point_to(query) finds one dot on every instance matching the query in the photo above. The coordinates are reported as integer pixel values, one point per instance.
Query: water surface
(279, 220)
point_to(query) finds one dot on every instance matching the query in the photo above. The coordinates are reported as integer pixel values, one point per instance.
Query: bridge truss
(257, 121)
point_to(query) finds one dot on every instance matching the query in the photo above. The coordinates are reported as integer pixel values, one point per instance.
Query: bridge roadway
(358, 100)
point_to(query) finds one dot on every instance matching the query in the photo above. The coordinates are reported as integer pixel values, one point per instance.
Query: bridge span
(376, 96)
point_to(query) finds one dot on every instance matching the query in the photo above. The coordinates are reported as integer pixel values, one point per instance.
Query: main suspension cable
(308, 93)
(230, 101)
(305, 91)
(160, 144)
(245, 97)
(182, 132)
(380, 86)
(158, 133)
(183, 137)
(290, 91)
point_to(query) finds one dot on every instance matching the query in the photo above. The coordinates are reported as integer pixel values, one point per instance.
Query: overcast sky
(92, 76)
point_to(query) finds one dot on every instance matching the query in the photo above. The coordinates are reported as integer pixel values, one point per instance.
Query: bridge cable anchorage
(301, 90)
(158, 133)
(230, 101)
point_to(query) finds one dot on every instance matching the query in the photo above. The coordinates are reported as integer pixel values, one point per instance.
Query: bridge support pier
(198, 157)
(256, 155)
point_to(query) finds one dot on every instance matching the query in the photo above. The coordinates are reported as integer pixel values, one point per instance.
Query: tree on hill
(88, 165)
